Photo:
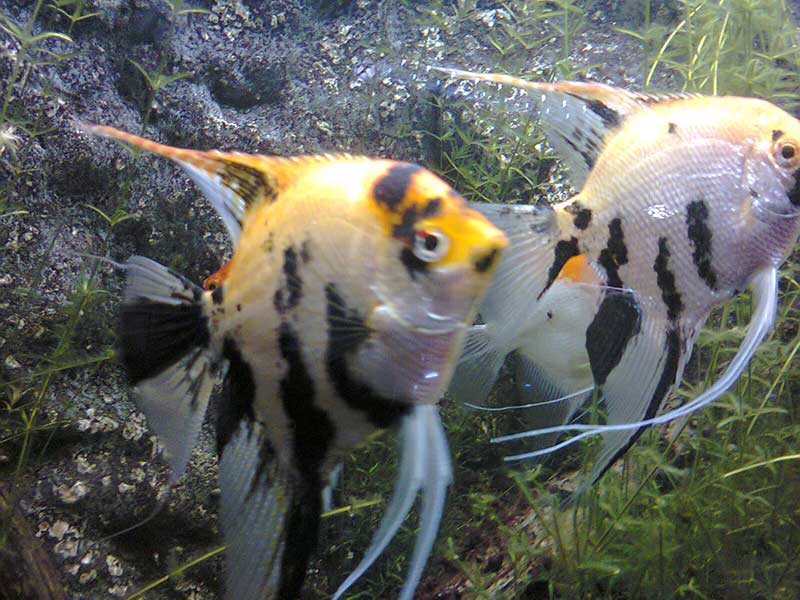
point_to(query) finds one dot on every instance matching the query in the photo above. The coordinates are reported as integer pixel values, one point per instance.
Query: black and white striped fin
(164, 346)
(577, 116)
(269, 520)
(424, 465)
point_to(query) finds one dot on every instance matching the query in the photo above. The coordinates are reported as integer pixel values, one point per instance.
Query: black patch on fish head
(391, 189)
(347, 331)
(609, 116)
(563, 251)
(238, 395)
(217, 296)
(672, 128)
(666, 281)
(485, 262)
(404, 230)
(700, 236)
(287, 298)
(432, 208)
(615, 254)
(616, 322)
(776, 135)
(413, 264)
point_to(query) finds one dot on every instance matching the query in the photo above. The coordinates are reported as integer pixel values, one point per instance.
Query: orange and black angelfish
(683, 201)
(341, 312)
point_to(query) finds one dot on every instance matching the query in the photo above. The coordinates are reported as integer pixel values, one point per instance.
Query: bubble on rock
(87, 559)
(124, 488)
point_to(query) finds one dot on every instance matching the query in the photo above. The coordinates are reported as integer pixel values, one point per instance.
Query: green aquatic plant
(77, 15)
(742, 47)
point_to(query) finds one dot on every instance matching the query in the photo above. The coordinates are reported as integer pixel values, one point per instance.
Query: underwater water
(706, 506)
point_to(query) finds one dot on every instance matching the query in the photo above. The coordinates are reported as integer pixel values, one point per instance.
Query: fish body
(341, 312)
(683, 202)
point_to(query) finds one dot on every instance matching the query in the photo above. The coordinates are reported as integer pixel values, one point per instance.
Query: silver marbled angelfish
(683, 202)
(342, 311)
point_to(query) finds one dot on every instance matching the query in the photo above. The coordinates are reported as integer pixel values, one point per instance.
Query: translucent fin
(522, 272)
(477, 369)
(438, 476)
(424, 465)
(577, 117)
(164, 346)
(270, 523)
(622, 429)
(232, 181)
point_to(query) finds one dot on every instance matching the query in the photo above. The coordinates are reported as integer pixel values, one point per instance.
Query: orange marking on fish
(217, 278)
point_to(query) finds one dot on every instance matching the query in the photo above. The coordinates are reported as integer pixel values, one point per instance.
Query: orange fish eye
(786, 153)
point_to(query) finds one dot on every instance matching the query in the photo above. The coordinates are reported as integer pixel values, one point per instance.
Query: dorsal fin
(232, 181)
(577, 117)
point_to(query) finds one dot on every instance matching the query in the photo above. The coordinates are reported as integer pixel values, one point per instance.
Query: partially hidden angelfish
(341, 312)
(683, 202)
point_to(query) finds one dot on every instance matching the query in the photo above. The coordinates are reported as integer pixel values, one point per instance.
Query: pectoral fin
(424, 465)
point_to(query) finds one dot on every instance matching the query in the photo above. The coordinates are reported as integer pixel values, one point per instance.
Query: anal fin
(270, 518)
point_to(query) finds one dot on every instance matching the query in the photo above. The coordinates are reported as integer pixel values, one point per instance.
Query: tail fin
(164, 346)
(477, 368)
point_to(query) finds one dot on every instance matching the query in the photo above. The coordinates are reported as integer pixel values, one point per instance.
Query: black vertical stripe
(616, 322)
(346, 332)
(312, 428)
(563, 251)
(666, 281)
(700, 235)
(238, 395)
(615, 254)
(665, 382)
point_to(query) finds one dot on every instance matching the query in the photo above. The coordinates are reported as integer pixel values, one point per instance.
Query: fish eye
(786, 153)
(430, 245)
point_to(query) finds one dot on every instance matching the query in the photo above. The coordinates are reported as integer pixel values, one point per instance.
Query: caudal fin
(164, 346)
